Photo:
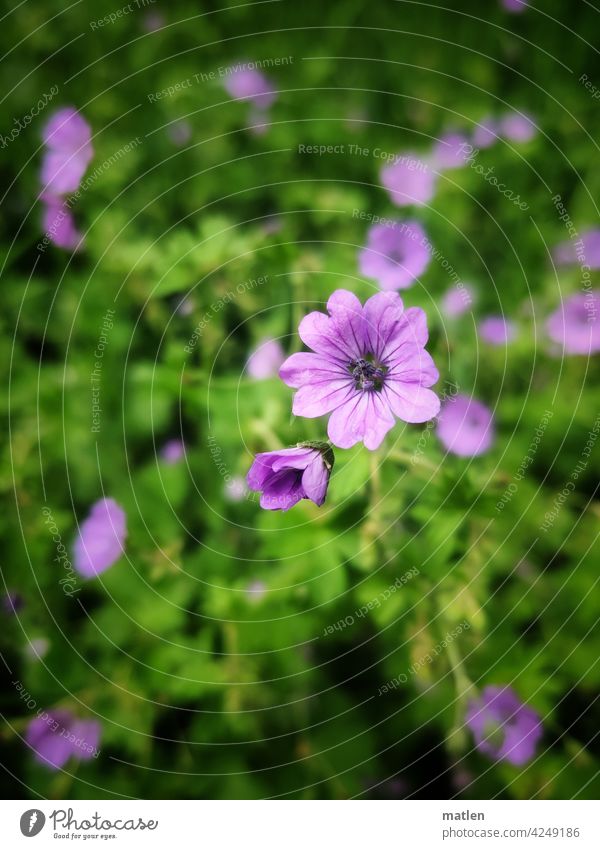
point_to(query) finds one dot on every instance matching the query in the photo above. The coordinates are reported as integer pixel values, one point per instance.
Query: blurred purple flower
(62, 172)
(485, 133)
(451, 151)
(515, 5)
(395, 255)
(67, 137)
(153, 21)
(37, 648)
(575, 325)
(370, 365)
(55, 736)
(265, 359)
(457, 300)
(465, 426)
(503, 727)
(235, 489)
(256, 590)
(59, 225)
(409, 180)
(12, 602)
(172, 451)
(586, 251)
(67, 131)
(517, 127)
(101, 538)
(497, 330)
(180, 132)
(250, 84)
(285, 477)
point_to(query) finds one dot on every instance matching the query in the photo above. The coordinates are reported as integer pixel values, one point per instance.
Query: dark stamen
(366, 374)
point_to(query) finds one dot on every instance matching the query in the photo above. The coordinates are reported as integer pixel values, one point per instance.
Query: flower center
(367, 374)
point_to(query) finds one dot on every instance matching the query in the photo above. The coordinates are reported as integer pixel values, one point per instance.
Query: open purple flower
(369, 365)
(451, 151)
(409, 180)
(457, 300)
(55, 736)
(497, 330)
(517, 127)
(101, 538)
(265, 359)
(287, 476)
(465, 426)
(395, 255)
(250, 84)
(585, 251)
(575, 325)
(503, 727)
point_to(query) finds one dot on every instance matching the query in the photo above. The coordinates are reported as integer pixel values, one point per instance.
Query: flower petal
(319, 332)
(303, 368)
(382, 314)
(315, 480)
(410, 402)
(321, 398)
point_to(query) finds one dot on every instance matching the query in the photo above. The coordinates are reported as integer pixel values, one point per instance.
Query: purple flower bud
(503, 727)
(101, 538)
(285, 477)
(55, 736)
(465, 426)
(409, 180)
(575, 325)
(497, 330)
(265, 359)
(395, 255)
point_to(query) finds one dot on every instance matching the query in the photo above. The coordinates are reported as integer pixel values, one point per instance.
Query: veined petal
(321, 398)
(378, 421)
(315, 480)
(382, 314)
(347, 314)
(412, 403)
(303, 368)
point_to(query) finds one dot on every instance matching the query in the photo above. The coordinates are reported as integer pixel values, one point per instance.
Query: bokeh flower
(235, 489)
(485, 133)
(515, 5)
(67, 131)
(287, 476)
(395, 254)
(497, 330)
(101, 538)
(503, 727)
(172, 451)
(256, 590)
(55, 736)
(409, 180)
(517, 127)
(575, 325)
(37, 648)
(585, 251)
(465, 426)
(457, 300)
(12, 602)
(59, 224)
(265, 359)
(180, 132)
(451, 151)
(249, 84)
(369, 365)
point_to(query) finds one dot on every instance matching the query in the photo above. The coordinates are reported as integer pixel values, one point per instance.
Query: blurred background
(225, 655)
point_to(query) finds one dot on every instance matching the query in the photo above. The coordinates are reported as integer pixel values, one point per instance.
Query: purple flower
(409, 180)
(457, 300)
(153, 21)
(67, 131)
(62, 172)
(265, 360)
(575, 325)
(180, 132)
(101, 538)
(586, 251)
(172, 451)
(485, 133)
(56, 736)
(250, 84)
(515, 5)
(497, 330)
(503, 727)
(59, 225)
(285, 477)
(451, 151)
(395, 254)
(517, 127)
(67, 137)
(12, 602)
(465, 426)
(369, 365)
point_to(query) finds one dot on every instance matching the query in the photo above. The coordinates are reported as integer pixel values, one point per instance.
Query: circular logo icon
(32, 822)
